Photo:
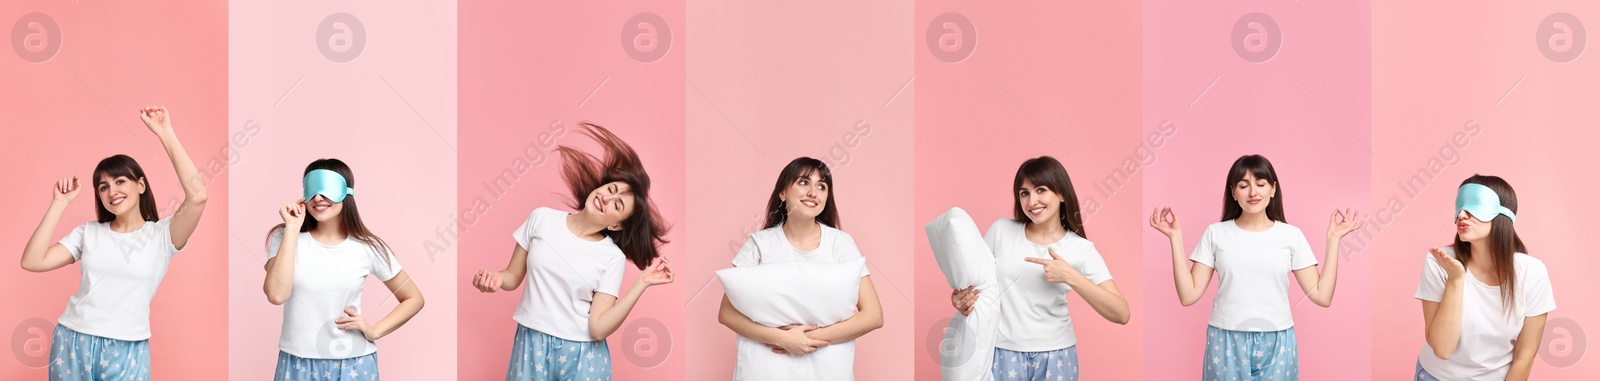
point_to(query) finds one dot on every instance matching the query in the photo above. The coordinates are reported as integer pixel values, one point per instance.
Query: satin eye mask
(1481, 202)
(328, 184)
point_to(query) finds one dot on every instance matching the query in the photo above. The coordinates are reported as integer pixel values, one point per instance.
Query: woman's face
(322, 210)
(119, 194)
(805, 198)
(610, 204)
(1253, 194)
(1469, 229)
(1040, 203)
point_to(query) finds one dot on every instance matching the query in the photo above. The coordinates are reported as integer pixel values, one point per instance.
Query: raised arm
(606, 312)
(279, 283)
(1319, 286)
(40, 254)
(1190, 281)
(187, 218)
(1442, 320)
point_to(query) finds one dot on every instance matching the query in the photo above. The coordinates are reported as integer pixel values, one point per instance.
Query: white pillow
(780, 294)
(967, 350)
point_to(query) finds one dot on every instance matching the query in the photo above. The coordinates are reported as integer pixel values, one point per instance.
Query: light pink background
(1026, 93)
(784, 80)
(1307, 110)
(391, 115)
(66, 114)
(526, 68)
(1480, 63)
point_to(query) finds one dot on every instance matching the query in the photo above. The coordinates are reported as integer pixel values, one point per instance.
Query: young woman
(574, 264)
(1484, 300)
(802, 224)
(317, 275)
(105, 332)
(1251, 333)
(1041, 254)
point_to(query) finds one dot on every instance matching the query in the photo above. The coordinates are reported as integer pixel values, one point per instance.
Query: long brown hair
(1504, 244)
(644, 231)
(349, 216)
(123, 166)
(1258, 166)
(797, 169)
(1047, 171)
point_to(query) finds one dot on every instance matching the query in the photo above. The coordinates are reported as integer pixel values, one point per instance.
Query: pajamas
(295, 368)
(79, 357)
(1056, 365)
(1422, 374)
(1250, 356)
(536, 356)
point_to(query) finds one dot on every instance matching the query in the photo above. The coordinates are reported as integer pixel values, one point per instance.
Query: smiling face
(119, 194)
(1253, 194)
(322, 209)
(806, 197)
(1041, 204)
(610, 204)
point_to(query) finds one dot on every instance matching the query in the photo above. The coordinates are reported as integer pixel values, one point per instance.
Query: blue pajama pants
(295, 368)
(536, 356)
(1056, 365)
(1251, 356)
(80, 357)
(1422, 374)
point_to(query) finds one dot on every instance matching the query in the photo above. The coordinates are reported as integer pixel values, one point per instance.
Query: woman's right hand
(1165, 221)
(793, 341)
(488, 281)
(964, 299)
(66, 190)
(294, 214)
(1452, 267)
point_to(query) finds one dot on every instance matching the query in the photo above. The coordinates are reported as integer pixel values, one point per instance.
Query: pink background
(787, 80)
(66, 114)
(390, 114)
(1307, 110)
(1480, 63)
(526, 68)
(1018, 97)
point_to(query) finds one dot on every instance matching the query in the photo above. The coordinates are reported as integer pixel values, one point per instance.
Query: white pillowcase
(967, 351)
(780, 294)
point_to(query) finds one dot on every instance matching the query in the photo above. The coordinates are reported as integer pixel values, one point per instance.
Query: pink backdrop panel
(1494, 89)
(75, 80)
(829, 80)
(531, 72)
(1008, 82)
(374, 85)
(1287, 80)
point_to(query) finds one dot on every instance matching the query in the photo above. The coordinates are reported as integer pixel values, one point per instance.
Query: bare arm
(279, 283)
(606, 312)
(411, 302)
(868, 317)
(507, 279)
(1319, 286)
(1442, 320)
(1526, 348)
(1106, 300)
(187, 218)
(41, 255)
(1190, 281)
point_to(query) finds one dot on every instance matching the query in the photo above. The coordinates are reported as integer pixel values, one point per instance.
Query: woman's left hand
(658, 273)
(354, 322)
(1343, 222)
(1056, 270)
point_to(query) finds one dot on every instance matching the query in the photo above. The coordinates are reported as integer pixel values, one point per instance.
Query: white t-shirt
(1487, 333)
(564, 272)
(121, 272)
(1033, 311)
(771, 245)
(328, 279)
(1253, 274)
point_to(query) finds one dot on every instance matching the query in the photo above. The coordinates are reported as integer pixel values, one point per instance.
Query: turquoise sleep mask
(1481, 202)
(328, 184)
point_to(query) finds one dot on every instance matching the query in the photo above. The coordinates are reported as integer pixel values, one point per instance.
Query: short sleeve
(525, 233)
(991, 237)
(1205, 252)
(74, 241)
(1094, 267)
(274, 241)
(384, 267)
(1300, 254)
(749, 254)
(1537, 296)
(611, 278)
(164, 229)
(1431, 286)
(845, 250)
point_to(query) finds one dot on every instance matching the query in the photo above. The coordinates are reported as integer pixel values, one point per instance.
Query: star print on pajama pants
(1422, 374)
(1056, 365)
(1251, 356)
(536, 356)
(79, 357)
(295, 368)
